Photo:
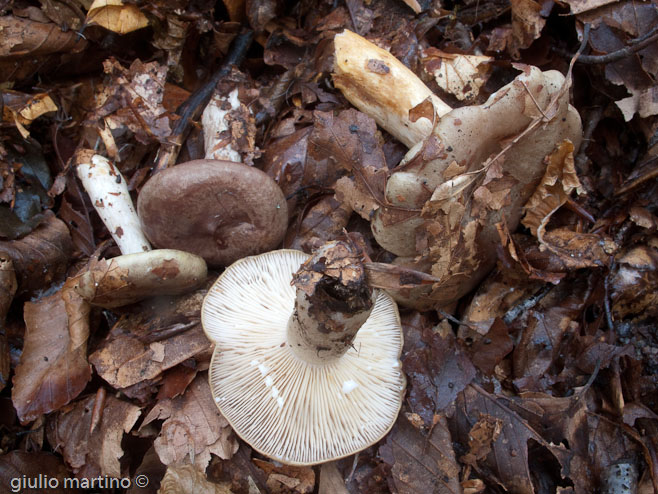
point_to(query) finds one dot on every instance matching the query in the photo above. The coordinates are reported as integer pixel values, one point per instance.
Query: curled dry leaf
(286, 479)
(153, 337)
(116, 16)
(22, 109)
(193, 428)
(421, 462)
(53, 368)
(527, 24)
(23, 37)
(90, 454)
(186, 479)
(459, 75)
(40, 258)
(22, 465)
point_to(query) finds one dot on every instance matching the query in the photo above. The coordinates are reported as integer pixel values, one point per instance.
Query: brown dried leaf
(644, 103)
(132, 98)
(116, 16)
(509, 439)
(323, 222)
(580, 250)
(634, 283)
(331, 480)
(40, 258)
(185, 479)
(96, 453)
(17, 468)
(53, 368)
(559, 181)
(154, 336)
(285, 479)
(22, 37)
(437, 373)
(193, 428)
(488, 351)
(527, 24)
(421, 462)
(459, 75)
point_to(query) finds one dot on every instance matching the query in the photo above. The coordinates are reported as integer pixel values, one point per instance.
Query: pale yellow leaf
(115, 16)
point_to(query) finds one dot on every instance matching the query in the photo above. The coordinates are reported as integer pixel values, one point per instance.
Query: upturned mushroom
(306, 366)
(220, 210)
(139, 272)
(440, 214)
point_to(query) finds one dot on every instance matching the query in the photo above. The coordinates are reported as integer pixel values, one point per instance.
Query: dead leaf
(193, 428)
(644, 103)
(421, 462)
(154, 336)
(459, 75)
(559, 181)
(331, 480)
(287, 479)
(20, 469)
(53, 368)
(99, 452)
(437, 371)
(185, 479)
(527, 24)
(116, 16)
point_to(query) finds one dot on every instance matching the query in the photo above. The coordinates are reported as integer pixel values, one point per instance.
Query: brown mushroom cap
(219, 210)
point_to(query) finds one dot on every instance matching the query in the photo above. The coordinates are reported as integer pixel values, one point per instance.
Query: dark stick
(193, 106)
(634, 45)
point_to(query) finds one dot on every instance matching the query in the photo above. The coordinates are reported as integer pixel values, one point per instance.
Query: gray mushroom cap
(285, 408)
(219, 210)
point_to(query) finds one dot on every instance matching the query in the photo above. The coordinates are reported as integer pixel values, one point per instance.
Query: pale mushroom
(302, 393)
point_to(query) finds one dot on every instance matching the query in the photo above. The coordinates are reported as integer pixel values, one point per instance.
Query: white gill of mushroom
(289, 409)
(110, 197)
(215, 120)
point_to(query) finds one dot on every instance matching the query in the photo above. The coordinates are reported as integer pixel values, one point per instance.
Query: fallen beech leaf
(488, 351)
(53, 368)
(580, 250)
(559, 181)
(510, 437)
(437, 372)
(96, 453)
(287, 479)
(331, 480)
(115, 16)
(634, 284)
(527, 24)
(459, 75)
(193, 428)
(644, 103)
(154, 336)
(27, 37)
(186, 479)
(41, 258)
(421, 462)
(17, 468)
(323, 222)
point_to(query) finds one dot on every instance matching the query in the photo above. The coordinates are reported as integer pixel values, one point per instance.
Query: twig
(634, 45)
(525, 305)
(651, 174)
(191, 109)
(592, 122)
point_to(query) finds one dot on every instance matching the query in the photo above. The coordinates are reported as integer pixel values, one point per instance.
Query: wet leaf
(90, 454)
(193, 428)
(422, 462)
(53, 368)
(116, 16)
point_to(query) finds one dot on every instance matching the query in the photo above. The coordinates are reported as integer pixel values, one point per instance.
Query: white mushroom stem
(333, 300)
(382, 87)
(215, 120)
(109, 194)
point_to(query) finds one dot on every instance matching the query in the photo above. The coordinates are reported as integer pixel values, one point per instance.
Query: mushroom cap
(285, 408)
(219, 210)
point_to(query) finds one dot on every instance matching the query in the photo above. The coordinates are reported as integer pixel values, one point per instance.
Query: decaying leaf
(459, 75)
(421, 462)
(527, 24)
(23, 109)
(634, 284)
(154, 336)
(18, 466)
(91, 454)
(193, 428)
(185, 479)
(559, 181)
(644, 103)
(53, 369)
(116, 16)
(437, 372)
(286, 479)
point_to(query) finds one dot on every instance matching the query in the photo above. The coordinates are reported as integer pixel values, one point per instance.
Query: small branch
(634, 46)
(191, 109)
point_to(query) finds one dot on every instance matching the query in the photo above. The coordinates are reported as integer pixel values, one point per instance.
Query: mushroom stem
(333, 300)
(215, 121)
(109, 195)
(382, 87)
